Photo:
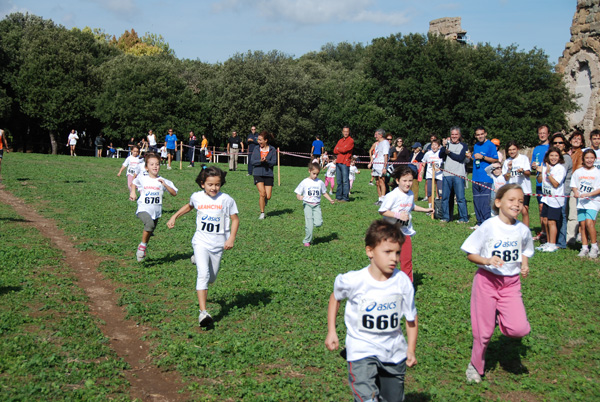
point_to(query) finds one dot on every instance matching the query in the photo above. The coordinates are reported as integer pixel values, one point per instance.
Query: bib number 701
(507, 255)
(382, 322)
(210, 227)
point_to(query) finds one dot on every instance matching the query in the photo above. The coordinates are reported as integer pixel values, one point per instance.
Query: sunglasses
(555, 143)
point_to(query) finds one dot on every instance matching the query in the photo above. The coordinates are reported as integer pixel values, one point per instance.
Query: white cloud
(121, 8)
(312, 12)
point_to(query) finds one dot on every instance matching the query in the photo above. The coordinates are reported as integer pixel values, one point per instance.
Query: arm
(121, 171)
(421, 209)
(255, 158)
(524, 266)
(460, 157)
(329, 198)
(479, 260)
(272, 157)
(235, 225)
(299, 197)
(242, 144)
(412, 330)
(169, 189)
(182, 211)
(312, 150)
(331, 341)
(228, 147)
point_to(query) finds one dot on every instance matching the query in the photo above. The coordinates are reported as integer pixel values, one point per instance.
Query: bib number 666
(382, 322)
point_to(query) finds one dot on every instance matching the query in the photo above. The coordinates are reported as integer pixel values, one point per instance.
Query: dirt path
(147, 381)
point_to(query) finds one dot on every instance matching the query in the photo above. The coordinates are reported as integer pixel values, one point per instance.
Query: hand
(495, 261)
(171, 223)
(509, 165)
(229, 244)
(534, 165)
(332, 202)
(369, 165)
(524, 271)
(131, 197)
(332, 342)
(478, 156)
(520, 171)
(404, 216)
(161, 180)
(119, 174)
(411, 359)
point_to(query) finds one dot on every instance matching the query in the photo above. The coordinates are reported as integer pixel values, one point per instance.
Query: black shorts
(1, 153)
(268, 180)
(171, 151)
(526, 200)
(553, 214)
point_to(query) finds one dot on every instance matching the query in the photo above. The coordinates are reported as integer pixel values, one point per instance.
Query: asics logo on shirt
(506, 244)
(209, 218)
(380, 306)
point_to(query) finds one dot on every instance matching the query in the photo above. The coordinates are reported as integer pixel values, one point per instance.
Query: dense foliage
(54, 79)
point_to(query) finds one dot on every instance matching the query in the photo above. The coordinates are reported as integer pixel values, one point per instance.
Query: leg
(461, 201)
(428, 188)
(207, 266)
(481, 203)
(146, 236)
(231, 159)
(235, 158)
(345, 173)
(268, 192)
(561, 241)
(572, 223)
(262, 196)
(591, 229)
(391, 381)
(483, 315)
(525, 215)
(583, 231)
(552, 231)
(308, 223)
(446, 198)
(362, 377)
(406, 264)
(340, 185)
(512, 318)
(380, 186)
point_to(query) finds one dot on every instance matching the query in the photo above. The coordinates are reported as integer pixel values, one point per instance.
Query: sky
(214, 30)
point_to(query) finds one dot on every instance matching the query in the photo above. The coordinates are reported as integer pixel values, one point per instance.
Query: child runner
(396, 207)
(585, 184)
(330, 174)
(501, 248)
(217, 211)
(353, 171)
(151, 188)
(494, 171)
(163, 154)
(378, 296)
(595, 139)
(132, 163)
(552, 178)
(517, 169)
(432, 157)
(324, 159)
(263, 158)
(309, 191)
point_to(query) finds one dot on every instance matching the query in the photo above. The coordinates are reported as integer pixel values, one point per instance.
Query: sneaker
(306, 244)
(330, 192)
(462, 222)
(424, 199)
(472, 374)
(371, 183)
(583, 253)
(193, 259)
(550, 248)
(542, 247)
(261, 216)
(141, 253)
(378, 203)
(443, 220)
(593, 253)
(474, 227)
(190, 166)
(204, 319)
(168, 167)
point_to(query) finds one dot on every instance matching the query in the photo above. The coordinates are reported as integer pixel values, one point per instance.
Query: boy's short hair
(314, 166)
(437, 141)
(151, 155)
(380, 231)
(211, 171)
(594, 133)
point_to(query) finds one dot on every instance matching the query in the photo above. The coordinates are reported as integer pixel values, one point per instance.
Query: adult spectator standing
(343, 150)
(484, 154)
(234, 144)
(417, 167)
(152, 144)
(454, 176)
(171, 144)
(577, 143)
(537, 160)
(192, 141)
(99, 142)
(3, 146)
(559, 141)
(595, 140)
(72, 141)
(379, 161)
(251, 143)
(204, 149)
(317, 148)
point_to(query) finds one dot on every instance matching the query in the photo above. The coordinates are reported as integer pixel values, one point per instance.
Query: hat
(496, 142)
(416, 145)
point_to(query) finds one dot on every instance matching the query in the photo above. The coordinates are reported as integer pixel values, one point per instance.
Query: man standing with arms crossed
(484, 154)
(379, 161)
(455, 163)
(233, 149)
(343, 151)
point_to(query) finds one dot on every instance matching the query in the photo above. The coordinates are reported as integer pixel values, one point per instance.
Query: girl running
(586, 188)
(501, 248)
(552, 178)
(216, 212)
(263, 158)
(330, 175)
(133, 163)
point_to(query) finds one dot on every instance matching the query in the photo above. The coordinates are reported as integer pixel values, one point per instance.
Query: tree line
(54, 79)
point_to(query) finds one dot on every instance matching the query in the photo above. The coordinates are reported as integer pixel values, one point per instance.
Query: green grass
(271, 295)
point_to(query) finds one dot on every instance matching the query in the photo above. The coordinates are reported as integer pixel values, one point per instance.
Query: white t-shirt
(434, 157)
(373, 314)
(352, 173)
(133, 165)
(509, 242)
(382, 148)
(311, 190)
(558, 172)
(152, 140)
(151, 194)
(587, 181)
(163, 152)
(499, 181)
(213, 219)
(397, 201)
(520, 162)
(73, 137)
(330, 170)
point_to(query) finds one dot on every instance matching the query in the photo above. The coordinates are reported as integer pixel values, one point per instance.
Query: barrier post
(180, 155)
(278, 168)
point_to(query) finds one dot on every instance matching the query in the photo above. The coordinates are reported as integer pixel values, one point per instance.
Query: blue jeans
(562, 230)
(456, 184)
(481, 202)
(343, 181)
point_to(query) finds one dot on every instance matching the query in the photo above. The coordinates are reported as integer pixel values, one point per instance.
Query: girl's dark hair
(579, 134)
(561, 160)
(267, 136)
(402, 170)
(510, 144)
(503, 190)
(380, 231)
(314, 166)
(211, 171)
(149, 156)
(587, 151)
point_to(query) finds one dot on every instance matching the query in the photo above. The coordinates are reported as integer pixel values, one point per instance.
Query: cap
(496, 142)
(417, 145)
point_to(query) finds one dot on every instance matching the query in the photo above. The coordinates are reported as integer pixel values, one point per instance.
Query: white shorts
(207, 264)
(377, 170)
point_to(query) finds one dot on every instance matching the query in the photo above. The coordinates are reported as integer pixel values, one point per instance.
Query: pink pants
(351, 181)
(129, 181)
(494, 294)
(330, 180)
(406, 265)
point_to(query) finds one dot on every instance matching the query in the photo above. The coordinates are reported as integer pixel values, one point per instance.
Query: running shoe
(193, 259)
(474, 227)
(584, 252)
(306, 244)
(141, 253)
(261, 216)
(550, 248)
(542, 247)
(593, 253)
(204, 319)
(472, 374)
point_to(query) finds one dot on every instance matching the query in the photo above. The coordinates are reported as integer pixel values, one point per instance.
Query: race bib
(212, 222)
(234, 146)
(509, 250)
(546, 188)
(379, 316)
(515, 172)
(313, 192)
(597, 163)
(585, 187)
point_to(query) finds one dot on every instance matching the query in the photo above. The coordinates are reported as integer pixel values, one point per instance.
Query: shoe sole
(206, 322)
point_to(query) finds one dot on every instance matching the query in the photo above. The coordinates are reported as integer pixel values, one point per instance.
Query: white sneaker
(550, 248)
(140, 253)
(371, 184)
(472, 374)
(261, 216)
(330, 192)
(204, 319)
(542, 247)
(584, 252)
(593, 253)
(193, 259)
(168, 167)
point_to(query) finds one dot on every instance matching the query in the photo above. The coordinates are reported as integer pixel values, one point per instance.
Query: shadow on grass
(280, 212)
(417, 397)
(75, 181)
(13, 220)
(417, 280)
(255, 298)
(326, 239)
(9, 289)
(23, 178)
(171, 257)
(507, 352)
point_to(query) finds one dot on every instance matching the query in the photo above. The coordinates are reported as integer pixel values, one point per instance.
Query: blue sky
(214, 30)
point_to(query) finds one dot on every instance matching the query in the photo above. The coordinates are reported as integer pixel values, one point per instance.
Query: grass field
(269, 301)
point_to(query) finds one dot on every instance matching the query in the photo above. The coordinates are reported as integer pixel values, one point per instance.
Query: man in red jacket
(343, 150)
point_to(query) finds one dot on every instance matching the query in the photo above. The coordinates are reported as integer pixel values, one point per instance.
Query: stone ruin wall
(448, 27)
(580, 66)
